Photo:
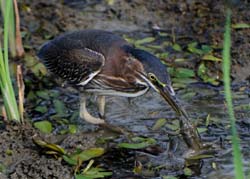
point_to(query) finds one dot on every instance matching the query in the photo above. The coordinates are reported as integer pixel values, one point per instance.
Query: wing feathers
(70, 60)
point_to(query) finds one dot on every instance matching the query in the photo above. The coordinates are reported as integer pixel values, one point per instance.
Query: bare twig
(19, 44)
(21, 87)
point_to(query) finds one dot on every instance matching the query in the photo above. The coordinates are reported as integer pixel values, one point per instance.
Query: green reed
(7, 91)
(237, 158)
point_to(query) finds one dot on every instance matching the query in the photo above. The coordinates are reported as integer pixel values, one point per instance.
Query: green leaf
(206, 49)
(201, 129)
(43, 94)
(145, 40)
(44, 126)
(140, 143)
(203, 73)
(93, 173)
(163, 55)
(192, 47)
(181, 72)
(41, 109)
(83, 155)
(174, 126)
(201, 156)
(59, 107)
(159, 123)
(241, 26)
(210, 57)
(177, 47)
(72, 128)
(51, 148)
(188, 171)
(169, 177)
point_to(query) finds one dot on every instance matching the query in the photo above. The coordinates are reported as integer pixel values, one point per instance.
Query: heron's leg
(84, 113)
(101, 106)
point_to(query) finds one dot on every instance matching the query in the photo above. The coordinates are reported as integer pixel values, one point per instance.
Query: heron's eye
(152, 77)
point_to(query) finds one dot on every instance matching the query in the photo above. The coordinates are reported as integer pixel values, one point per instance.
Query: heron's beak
(168, 94)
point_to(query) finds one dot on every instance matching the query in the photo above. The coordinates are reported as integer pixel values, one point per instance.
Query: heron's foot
(84, 114)
(91, 119)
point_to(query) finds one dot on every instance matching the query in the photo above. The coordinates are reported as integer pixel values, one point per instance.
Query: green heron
(105, 64)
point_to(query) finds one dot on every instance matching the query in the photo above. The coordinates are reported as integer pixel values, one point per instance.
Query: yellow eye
(152, 77)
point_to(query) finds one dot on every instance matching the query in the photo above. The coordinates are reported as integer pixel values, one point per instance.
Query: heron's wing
(70, 60)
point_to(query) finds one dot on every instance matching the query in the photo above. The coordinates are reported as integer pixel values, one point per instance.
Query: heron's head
(156, 76)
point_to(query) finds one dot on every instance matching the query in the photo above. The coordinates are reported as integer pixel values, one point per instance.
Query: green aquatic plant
(7, 90)
(237, 158)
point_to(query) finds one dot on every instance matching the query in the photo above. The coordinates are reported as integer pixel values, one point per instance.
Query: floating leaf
(59, 107)
(163, 55)
(180, 60)
(145, 40)
(159, 123)
(206, 49)
(140, 143)
(177, 47)
(203, 73)
(110, 2)
(192, 47)
(44, 126)
(211, 58)
(181, 72)
(83, 155)
(157, 47)
(72, 128)
(31, 95)
(175, 125)
(202, 156)
(41, 109)
(201, 129)
(169, 177)
(43, 94)
(187, 171)
(93, 173)
(241, 26)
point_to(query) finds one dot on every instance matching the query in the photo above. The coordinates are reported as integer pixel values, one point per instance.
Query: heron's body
(105, 64)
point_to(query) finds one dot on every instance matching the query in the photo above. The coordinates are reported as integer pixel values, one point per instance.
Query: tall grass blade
(237, 158)
(5, 80)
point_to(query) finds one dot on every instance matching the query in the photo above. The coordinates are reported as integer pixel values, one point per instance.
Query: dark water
(140, 115)
(206, 108)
